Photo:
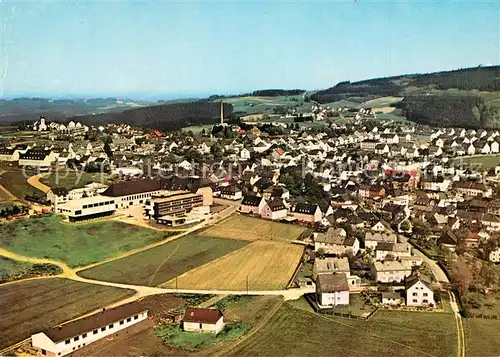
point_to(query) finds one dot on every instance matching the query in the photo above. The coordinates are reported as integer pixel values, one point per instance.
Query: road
(35, 182)
(459, 325)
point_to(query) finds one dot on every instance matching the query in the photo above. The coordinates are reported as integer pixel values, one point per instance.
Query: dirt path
(35, 182)
(459, 325)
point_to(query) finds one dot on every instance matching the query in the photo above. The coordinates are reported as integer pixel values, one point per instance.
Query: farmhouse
(252, 204)
(67, 338)
(198, 319)
(332, 290)
(419, 291)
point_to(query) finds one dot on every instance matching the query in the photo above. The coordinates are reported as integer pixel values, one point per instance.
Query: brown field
(32, 306)
(267, 265)
(252, 229)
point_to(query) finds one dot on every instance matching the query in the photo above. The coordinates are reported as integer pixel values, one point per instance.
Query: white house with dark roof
(252, 204)
(307, 212)
(332, 290)
(390, 270)
(198, 319)
(65, 339)
(274, 209)
(419, 291)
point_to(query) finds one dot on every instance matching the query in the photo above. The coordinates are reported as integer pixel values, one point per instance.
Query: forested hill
(277, 92)
(163, 117)
(465, 97)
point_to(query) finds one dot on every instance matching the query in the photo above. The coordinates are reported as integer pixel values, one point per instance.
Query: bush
(472, 300)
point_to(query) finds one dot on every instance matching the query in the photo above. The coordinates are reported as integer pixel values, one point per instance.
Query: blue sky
(172, 49)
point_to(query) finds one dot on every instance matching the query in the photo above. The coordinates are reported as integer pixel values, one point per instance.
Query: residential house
(335, 266)
(332, 290)
(230, 192)
(419, 290)
(372, 239)
(252, 205)
(305, 212)
(335, 241)
(395, 250)
(197, 319)
(494, 255)
(392, 298)
(274, 209)
(390, 271)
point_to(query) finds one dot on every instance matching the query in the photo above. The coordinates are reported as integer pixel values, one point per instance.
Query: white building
(198, 319)
(419, 291)
(67, 338)
(274, 210)
(495, 255)
(252, 205)
(392, 298)
(396, 250)
(332, 290)
(390, 271)
(86, 208)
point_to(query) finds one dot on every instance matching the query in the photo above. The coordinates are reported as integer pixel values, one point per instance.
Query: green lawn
(71, 179)
(14, 270)
(303, 333)
(77, 245)
(33, 306)
(15, 182)
(486, 161)
(160, 264)
(174, 336)
(265, 105)
(482, 337)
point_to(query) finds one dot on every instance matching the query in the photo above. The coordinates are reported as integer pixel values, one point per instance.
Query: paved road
(35, 182)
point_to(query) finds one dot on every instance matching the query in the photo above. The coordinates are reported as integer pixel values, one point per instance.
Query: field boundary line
(165, 260)
(253, 331)
(370, 333)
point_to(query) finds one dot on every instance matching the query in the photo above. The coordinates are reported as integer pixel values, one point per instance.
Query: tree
(489, 275)
(320, 253)
(107, 150)
(461, 276)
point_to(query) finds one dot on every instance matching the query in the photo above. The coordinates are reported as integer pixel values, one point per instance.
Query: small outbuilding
(198, 319)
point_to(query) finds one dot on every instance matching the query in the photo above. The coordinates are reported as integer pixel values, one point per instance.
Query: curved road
(35, 182)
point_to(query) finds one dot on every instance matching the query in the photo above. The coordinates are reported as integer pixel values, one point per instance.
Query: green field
(157, 265)
(485, 161)
(14, 270)
(71, 179)
(15, 182)
(482, 337)
(4, 197)
(265, 105)
(76, 245)
(304, 333)
(32, 306)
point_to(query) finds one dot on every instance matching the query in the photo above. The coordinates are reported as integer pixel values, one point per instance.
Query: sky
(165, 50)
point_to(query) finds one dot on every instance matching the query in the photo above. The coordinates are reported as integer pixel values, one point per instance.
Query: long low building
(67, 338)
(172, 205)
(86, 208)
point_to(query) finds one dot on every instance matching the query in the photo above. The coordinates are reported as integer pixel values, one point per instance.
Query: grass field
(71, 179)
(265, 105)
(482, 337)
(248, 228)
(13, 270)
(4, 197)
(265, 265)
(485, 161)
(77, 245)
(32, 306)
(15, 182)
(382, 102)
(388, 333)
(157, 265)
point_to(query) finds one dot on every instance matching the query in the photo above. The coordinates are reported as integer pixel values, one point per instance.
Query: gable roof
(126, 188)
(251, 200)
(415, 278)
(329, 283)
(95, 321)
(202, 315)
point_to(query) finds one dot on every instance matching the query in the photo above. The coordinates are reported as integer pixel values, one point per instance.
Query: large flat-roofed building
(67, 338)
(173, 205)
(86, 208)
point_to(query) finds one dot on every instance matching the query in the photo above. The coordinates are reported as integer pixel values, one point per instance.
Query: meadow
(15, 182)
(14, 270)
(261, 265)
(76, 245)
(481, 337)
(484, 161)
(400, 334)
(32, 306)
(157, 265)
(251, 229)
(264, 105)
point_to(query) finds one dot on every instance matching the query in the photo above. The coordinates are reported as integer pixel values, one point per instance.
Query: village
(390, 215)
